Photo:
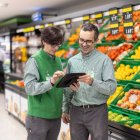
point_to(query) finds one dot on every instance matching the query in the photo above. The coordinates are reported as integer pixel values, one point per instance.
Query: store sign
(68, 23)
(86, 18)
(99, 17)
(113, 13)
(127, 13)
(128, 28)
(114, 28)
(37, 16)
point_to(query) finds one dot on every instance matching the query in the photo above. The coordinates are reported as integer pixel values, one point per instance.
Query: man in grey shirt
(85, 101)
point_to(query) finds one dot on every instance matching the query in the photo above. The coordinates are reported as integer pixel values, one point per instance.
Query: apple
(125, 119)
(120, 102)
(124, 99)
(129, 122)
(135, 126)
(110, 112)
(118, 118)
(127, 94)
(124, 106)
(132, 105)
(138, 80)
(138, 102)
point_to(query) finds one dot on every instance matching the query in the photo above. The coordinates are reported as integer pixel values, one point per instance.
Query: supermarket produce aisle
(10, 129)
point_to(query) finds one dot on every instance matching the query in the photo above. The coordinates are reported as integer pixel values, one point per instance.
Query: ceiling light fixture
(3, 4)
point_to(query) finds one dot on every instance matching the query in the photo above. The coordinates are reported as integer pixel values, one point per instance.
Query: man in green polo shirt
(42, 70)
(85, 101)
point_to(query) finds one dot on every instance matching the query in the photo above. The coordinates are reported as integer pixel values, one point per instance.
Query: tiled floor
(10, 129)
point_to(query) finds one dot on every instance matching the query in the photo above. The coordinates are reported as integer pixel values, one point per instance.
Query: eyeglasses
(88, 42)
(56, 46)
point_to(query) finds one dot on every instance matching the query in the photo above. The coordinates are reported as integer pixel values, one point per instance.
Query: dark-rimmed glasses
(88, 42)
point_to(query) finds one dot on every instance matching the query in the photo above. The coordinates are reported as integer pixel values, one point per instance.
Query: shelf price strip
(114, 28)
(68, 23)
(50, 24)
(86, 18)
(99, 17)
(113, 13)
(127, 13)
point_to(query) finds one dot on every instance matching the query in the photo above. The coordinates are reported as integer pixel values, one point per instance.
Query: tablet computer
(68, 80)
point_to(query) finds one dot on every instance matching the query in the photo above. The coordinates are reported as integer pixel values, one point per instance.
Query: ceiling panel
(24, 7)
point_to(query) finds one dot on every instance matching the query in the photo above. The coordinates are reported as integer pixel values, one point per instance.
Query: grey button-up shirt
(100, 67)
(31, 78)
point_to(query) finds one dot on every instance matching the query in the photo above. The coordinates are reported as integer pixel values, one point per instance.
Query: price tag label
(68, 23)
(50, 24)
(99, 21)
(113, 18)
(86, 18)
(128, 28)
(127, 13)
(113, 13)
(114, 31)
(128, 24)
(127, 16)
(99, 17)
(115, 25)
(127, 9)
(29, 29)
(114, 28)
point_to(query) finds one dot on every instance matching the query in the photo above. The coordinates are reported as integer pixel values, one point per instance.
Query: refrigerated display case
(5, 46)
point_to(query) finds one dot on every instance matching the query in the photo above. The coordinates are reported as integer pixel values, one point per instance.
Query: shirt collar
(93, 52)
(46, 55)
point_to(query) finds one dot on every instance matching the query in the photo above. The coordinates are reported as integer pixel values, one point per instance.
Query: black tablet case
(68, 80)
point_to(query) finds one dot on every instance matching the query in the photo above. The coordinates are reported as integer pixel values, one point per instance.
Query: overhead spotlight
(3, 4)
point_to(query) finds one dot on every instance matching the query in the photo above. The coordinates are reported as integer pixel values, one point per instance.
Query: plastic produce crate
(121, 116)
(117, 42)
(131, 122)
(111, 44)
(132, 64)
(115, 94)
(136, 78)
(128, 62)
(104, 46)
(121, 95)
(132, 52)
(125, 82)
